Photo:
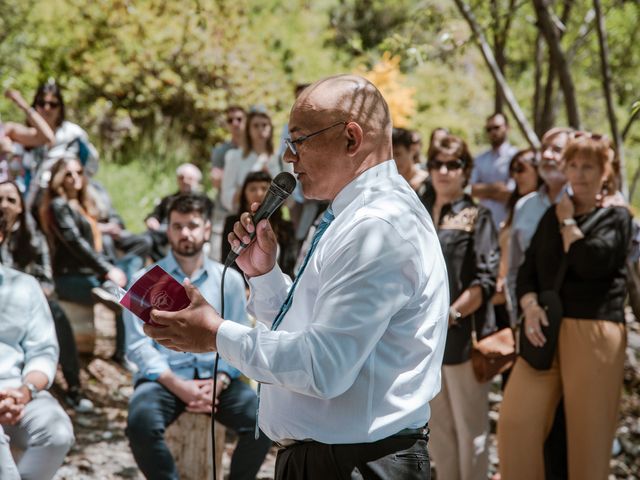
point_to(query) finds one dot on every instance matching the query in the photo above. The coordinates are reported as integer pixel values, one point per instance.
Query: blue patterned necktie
(327, 218)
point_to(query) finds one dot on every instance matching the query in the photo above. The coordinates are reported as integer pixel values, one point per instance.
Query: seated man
(30, 418)
(168, 382)
(189, 178)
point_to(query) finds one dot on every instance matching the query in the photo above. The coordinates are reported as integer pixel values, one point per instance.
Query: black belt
(422, 432)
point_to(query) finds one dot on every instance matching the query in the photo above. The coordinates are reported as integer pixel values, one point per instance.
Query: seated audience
(588, 360)
(169, 383)
(31, 420)
(25, 249)
(254, 189)
(80, 267)
(460, 412)
(256, 154)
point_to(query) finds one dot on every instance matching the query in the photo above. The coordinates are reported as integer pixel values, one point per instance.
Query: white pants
(460, 425)
(45, 434)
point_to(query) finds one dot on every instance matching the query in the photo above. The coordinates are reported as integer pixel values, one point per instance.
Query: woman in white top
(257, 154)
(69, 137)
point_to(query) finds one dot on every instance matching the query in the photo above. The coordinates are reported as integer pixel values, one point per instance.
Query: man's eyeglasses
(292, 144)
(44, 103)
(450, 165)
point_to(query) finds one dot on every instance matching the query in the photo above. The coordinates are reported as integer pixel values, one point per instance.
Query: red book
(155, 289)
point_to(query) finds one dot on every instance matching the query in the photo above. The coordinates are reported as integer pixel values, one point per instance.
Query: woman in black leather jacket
(78, 263)
(469, 241)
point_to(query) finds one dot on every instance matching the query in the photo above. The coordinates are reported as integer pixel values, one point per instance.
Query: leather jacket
(72, 237)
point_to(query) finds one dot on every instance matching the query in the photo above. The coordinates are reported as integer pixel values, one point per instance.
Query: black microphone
(281, 187)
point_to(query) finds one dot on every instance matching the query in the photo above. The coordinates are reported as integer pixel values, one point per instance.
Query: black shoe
(76, 400)
(108, 294)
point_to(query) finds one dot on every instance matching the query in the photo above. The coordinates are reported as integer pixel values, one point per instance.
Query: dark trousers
(555, 448)
(152, 408)
(392, 458)
(68, 349)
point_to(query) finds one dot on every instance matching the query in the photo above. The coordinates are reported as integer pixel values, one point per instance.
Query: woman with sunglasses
(25, 249)
(68, 218)
(587, 362)
(257, 154)
(459, 413)
(68, 138)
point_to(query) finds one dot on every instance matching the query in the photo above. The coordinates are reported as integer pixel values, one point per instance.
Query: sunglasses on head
(450, 165)
(44, 103)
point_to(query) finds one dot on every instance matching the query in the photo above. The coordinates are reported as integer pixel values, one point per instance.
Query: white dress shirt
(357, 357)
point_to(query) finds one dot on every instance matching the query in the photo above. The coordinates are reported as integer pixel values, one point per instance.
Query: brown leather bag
(493, 354)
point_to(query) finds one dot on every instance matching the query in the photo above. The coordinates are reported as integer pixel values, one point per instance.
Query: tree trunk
(606, 85)
(537, 91)
(558, 59)
(505, 90)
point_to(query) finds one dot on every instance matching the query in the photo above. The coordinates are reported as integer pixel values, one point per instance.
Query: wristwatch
(33, 390)
(568, 222)
(224, 379)
(454, 315)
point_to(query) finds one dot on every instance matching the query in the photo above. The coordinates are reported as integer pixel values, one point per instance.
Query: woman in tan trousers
(587, 367)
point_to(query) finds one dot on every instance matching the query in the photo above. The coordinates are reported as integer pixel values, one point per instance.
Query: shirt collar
(172, 266)
(361, 183)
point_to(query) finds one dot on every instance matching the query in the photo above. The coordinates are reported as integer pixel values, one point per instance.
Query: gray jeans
(44, 434)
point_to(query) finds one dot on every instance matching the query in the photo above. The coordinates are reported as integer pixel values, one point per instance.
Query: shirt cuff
(41, 364)
(229, 340)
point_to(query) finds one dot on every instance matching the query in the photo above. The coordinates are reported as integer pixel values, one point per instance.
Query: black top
(32, 257)
(471, 251)
(594, 286)
(72, 239)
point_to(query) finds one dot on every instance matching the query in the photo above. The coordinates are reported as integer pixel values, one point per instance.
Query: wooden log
(81, 319)
(189, 439)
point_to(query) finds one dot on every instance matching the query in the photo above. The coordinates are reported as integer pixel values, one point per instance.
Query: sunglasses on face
(71, 173)
(44, 103)
(451, 165)
(232, 120)
(492, 128)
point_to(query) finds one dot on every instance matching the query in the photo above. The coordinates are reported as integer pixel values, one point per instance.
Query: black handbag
(541, 358)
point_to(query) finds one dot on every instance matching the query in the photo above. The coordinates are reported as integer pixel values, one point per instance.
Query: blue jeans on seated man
(152, 408)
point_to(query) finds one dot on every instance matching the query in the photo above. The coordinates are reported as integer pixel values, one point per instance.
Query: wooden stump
(81, 319)
(189, 439)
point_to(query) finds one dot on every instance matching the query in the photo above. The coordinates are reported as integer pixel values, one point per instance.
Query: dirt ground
(102, 452)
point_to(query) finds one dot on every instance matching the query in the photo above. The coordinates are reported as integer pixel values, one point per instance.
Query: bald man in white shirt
(348, 356)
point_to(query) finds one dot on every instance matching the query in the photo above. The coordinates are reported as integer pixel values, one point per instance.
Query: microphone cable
(215, 382)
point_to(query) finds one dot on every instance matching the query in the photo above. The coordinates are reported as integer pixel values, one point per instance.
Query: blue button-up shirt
(152, 359)
(490, 167)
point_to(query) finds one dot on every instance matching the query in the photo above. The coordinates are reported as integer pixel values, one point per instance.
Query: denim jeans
(152, 408)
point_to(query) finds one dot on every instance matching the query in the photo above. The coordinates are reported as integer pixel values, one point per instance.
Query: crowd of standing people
(513, 225)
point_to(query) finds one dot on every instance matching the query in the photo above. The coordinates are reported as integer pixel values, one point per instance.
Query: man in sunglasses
(348, 356)
(235, 117)
(490, 182)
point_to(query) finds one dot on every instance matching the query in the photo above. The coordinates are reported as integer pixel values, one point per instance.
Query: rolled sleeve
(140, 349)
